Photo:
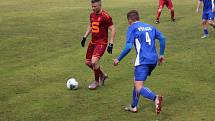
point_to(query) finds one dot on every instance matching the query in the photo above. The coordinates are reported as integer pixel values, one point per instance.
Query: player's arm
(113, 33)
(86, 35)
(112, 36)
(128, 46)
(162, 41)
(198, 5)
(88, 31)
(125, 51)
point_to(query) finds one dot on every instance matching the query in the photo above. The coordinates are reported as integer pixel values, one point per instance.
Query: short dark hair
(133, 15)
(94, 1)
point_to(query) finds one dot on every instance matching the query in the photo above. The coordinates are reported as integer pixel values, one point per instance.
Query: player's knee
(159, 9)
(204, 23)
(172, 9)
(138, 89)
(138, 86)
(95, 62)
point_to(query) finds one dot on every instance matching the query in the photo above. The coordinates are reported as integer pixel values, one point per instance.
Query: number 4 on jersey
(148, 38)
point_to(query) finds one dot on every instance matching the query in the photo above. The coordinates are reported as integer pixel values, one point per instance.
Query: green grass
(40, 49)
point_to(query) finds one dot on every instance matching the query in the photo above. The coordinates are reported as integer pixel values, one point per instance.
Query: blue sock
(147, 93)
(135, 98)
(205, 31)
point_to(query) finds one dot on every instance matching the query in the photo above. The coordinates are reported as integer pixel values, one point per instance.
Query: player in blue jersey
(207, 15)
(143, 37)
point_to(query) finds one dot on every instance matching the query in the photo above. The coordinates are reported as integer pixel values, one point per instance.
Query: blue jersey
(208, 5)
(143, 37)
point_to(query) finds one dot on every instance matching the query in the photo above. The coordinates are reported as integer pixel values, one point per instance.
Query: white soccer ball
(72, 84)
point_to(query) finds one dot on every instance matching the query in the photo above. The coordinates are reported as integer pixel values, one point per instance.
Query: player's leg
(100, 50)
(89, 55)
(204, 25)
(211, 19)
(97, 54)
(96, 68)
(134, 103)
(171, 8)
(97, 72)
(144, 91)
(139, 77)
(148, 94)
(135, 98)
(141, 74)
(160, 8)
(205, 29)
(88, 62)
(212, 23)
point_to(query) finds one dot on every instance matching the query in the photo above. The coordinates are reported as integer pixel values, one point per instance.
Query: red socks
(158, 15)
(172, 14)
(97, 73)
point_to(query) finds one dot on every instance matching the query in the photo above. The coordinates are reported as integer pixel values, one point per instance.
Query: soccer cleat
(204, 36)
(102, 79)
(173, 20)
(93, 85)
(158, 104)
(157, 21)
(129, 108)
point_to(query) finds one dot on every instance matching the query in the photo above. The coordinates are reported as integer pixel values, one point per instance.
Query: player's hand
(115, 62)
(110, 48)
(161, 60)
(83, 41)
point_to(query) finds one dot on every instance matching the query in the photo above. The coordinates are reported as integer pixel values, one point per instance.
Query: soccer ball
(72, 84)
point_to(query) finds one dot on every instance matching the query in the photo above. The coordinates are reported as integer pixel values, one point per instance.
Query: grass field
(40, 49)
